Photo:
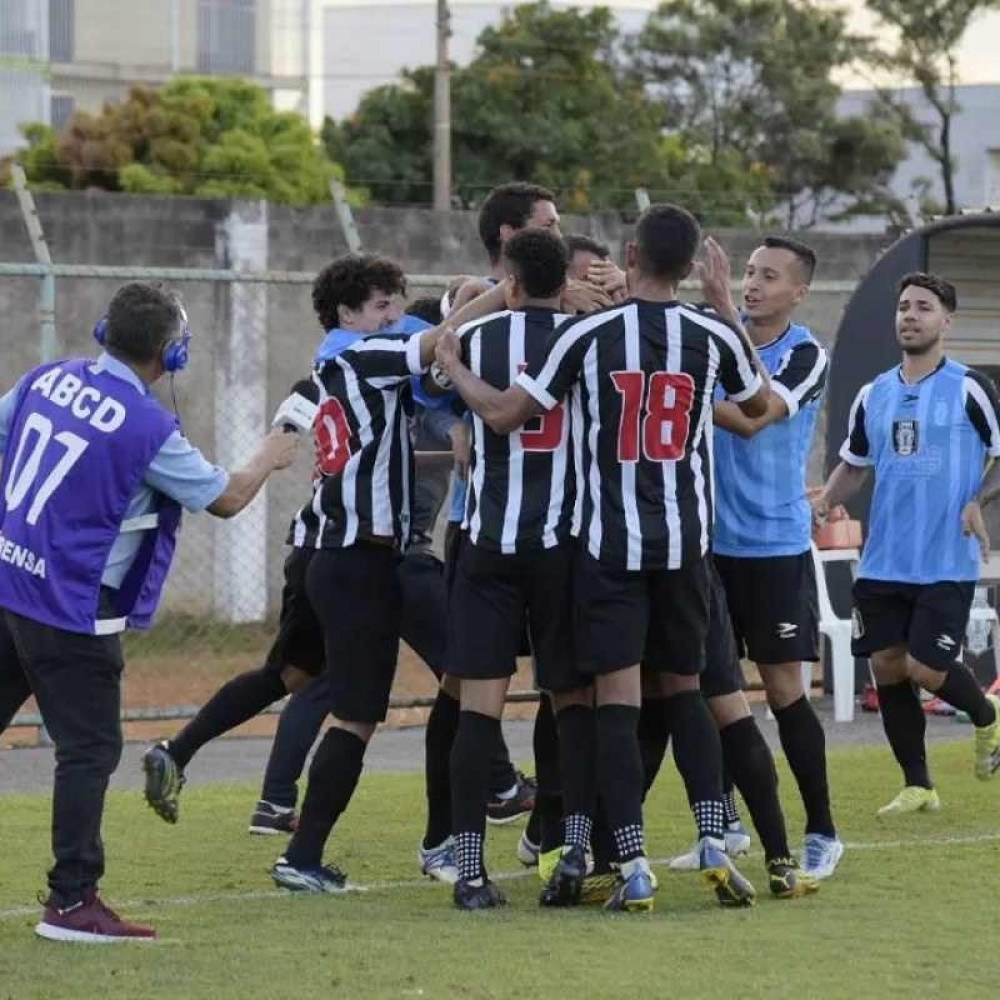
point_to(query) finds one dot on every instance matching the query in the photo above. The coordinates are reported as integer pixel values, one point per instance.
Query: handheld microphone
(297, 413)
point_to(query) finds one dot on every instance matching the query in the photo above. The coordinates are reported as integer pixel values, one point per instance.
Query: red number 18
(664, 425)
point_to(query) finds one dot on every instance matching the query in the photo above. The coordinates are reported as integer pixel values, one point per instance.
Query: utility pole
(442, 112)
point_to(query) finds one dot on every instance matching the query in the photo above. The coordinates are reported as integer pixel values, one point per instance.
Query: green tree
(925, 52)
(754, 78)
(197, 136)
(542, 100)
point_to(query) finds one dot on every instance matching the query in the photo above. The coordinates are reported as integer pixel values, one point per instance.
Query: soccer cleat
(598, 888)
(737, 839)
(566, 883)
(913, 798)
(164, 781)
(547, 862)
(718, 871)
(821, 855)
(633, 894)
(478, 897)
(318, 879)
(272, 819)
(737, 842)
(527, 851)
(439, 862)
(786, 880)
(988, 744)
(500, 811)
(89, 921)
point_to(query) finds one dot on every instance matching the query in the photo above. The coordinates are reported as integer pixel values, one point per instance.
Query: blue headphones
(176, 353)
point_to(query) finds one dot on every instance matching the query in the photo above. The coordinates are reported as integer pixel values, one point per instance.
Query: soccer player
(514, 563)
(926, 428)
(763, 536)
(506, 211)
(640, 379)
(95, 474)
(354, 300)
(358, 523)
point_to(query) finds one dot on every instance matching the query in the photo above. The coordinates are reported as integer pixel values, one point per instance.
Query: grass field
(911, 913)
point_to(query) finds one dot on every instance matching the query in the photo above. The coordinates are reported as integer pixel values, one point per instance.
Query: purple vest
(80, 443)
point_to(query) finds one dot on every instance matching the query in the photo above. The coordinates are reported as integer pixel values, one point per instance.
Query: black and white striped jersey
(640, 379)
(521, 485)
(363, 474)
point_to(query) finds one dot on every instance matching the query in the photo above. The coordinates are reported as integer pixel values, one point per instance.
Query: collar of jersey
(106, 363)
(336, 342)
(777, 340)
(923, 378)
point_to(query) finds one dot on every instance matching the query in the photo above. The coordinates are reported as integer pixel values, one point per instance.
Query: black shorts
(299, 642)
(928, 619)
(723, 672)
(656, 617)
(773, 604)
(357, 598)
(494, 596)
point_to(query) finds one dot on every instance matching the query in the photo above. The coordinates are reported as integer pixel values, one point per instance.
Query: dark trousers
(423, 628)
(76, 680)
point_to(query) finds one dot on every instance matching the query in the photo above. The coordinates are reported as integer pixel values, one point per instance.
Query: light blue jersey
(760, 482)
(927, 443)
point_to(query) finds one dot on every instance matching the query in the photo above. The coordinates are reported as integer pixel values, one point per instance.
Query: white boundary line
(224, 897)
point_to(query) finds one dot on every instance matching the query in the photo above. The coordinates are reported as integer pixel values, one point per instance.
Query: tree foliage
(203, 136)
(542, 100)
(924, 52)
(755, 79)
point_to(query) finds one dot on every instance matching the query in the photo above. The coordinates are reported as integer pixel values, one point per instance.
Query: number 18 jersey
(521, 485)
(640, 379)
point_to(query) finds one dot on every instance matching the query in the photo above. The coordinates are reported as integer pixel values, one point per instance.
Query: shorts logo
(787, 630)
(905, 436)
(946, 642)
(857, 624)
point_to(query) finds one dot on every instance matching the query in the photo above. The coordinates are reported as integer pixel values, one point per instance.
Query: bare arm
(503, 411)
(729, 416)
(842, 484)
(276, 451)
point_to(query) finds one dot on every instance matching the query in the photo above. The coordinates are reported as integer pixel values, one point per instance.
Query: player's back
(521, 484)
(641, 408)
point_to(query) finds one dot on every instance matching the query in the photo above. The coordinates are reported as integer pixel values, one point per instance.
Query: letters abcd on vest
(64, 389)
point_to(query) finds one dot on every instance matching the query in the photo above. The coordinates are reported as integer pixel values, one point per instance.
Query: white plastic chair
(989, 614)
(838, 631)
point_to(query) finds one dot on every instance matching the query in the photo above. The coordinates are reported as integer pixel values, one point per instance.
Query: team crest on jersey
(905, 437)
(941, 412)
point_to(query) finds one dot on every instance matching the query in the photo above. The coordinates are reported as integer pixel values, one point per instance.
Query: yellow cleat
(547, 861)
(988, 744)
(911, 799)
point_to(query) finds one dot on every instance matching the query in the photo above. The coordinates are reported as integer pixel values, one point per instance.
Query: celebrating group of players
(631, 510)
(634, 503)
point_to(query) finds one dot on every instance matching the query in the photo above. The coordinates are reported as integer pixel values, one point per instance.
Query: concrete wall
(192, 233)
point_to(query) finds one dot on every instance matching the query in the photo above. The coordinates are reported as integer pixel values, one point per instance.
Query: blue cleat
(821, 855)
(731, 887)
(633, 894)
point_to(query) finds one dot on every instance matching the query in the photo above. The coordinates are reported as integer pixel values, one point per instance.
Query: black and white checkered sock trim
(629, 841)
(729, 804)
(710, 818)
(469, 855)
(577, 827)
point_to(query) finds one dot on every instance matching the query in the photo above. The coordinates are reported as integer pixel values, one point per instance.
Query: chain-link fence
(254, 336)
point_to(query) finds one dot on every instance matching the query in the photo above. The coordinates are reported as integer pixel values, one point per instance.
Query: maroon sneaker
(89, 921)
